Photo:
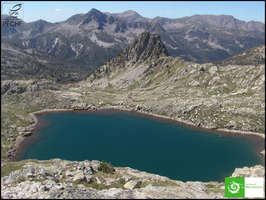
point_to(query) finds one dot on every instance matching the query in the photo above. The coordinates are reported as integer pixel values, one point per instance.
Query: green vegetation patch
(212, 188)
(8, 167)
(102, 186)
(106, 168)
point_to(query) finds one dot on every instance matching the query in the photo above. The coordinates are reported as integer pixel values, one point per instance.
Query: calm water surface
(140, 142)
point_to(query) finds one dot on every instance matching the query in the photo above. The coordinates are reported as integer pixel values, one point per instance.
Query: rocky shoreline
(29, 130)
(58, 178)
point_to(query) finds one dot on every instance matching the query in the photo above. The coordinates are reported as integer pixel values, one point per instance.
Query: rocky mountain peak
(130, 15)
(97, 16)
(130, 12)
(95, 11)
(39, 23)
(147, 46)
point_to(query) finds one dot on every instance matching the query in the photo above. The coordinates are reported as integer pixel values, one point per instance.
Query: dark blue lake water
(147, 144)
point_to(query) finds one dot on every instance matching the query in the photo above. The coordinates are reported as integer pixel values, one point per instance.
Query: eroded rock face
(65, 179)
(255, 171)
(12, 87)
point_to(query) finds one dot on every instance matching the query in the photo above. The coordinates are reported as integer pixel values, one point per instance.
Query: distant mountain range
(148, 56)
(88, 40)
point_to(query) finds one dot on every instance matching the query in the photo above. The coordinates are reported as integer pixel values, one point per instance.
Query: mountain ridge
(252, 56)
(197, 38)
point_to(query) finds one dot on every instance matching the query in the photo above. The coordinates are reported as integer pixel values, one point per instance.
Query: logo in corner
(13, 13)
(234, 187)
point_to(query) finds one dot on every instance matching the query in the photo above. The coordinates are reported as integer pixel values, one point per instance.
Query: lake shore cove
(94, 179)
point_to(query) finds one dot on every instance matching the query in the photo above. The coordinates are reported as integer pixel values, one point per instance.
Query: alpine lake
(150, 144)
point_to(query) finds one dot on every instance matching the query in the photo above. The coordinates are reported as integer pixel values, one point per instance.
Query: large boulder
(26, 133)
(95, 165)
(79, 176)
(132, 184)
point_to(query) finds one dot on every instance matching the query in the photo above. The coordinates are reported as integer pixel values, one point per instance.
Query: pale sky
(55, 11)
